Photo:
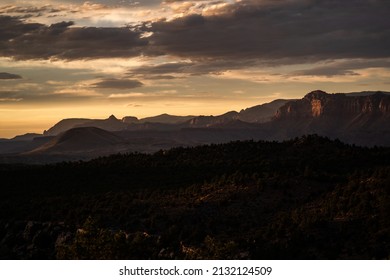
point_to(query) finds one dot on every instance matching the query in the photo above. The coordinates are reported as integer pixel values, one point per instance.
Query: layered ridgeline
(356, 118)
(257, 114)
(331, 115)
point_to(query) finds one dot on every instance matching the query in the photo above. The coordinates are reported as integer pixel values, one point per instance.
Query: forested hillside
(307, 198)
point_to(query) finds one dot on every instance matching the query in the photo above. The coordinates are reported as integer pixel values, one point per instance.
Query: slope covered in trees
(307, 198)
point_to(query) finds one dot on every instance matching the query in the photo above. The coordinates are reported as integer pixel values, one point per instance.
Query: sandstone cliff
(362, 120)
(317, 104)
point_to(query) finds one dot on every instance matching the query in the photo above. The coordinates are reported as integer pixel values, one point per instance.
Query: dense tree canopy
(307, 198)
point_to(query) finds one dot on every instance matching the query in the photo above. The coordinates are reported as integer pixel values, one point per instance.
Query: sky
(69, 59)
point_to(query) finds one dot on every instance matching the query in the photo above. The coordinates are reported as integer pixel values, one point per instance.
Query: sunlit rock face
(321, 104)
(361, 118)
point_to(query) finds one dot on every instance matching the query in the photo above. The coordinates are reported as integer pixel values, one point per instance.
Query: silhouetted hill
(109, 124)
(64, 125)
(26, 137)
(80, 140)
(167, 119)
(257, 114)
(15, 147)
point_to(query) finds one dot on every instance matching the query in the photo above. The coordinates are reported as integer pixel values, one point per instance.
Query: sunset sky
(70, 58)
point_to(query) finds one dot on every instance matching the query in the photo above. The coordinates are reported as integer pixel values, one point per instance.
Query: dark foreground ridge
(307, 198)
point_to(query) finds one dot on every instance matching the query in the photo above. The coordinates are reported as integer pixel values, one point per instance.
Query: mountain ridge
(79, 139)
(362, 120)
(256, 114)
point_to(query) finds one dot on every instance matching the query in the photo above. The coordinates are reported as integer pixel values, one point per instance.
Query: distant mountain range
(356, 118)
(258, 114)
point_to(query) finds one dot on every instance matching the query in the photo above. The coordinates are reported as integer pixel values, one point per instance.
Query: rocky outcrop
(318, 104)
(210, 121)
(130, 120)
(361, 120)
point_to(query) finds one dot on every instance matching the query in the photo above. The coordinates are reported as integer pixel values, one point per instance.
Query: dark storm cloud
(22, 40)
(9, 76)
(270, 32)
(118, 84)
(12, 27)
(280, 30)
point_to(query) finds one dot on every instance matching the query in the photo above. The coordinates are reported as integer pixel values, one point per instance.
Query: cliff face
(362, 120)
(319, 104)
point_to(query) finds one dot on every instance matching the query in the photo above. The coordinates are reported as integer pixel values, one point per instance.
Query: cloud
(173, 1)
(10, 99)
(21, 40)
(193, 68)
(127, 95)
(10, 96)
(28, 10)
(343, 68)
(280, 31)
(160, 77)
(234, 36)
(170, 91)
(325, 71)
(164, 68)
(159, 94)
(9, 76)
(77, 92)
(114, 2)
(118, 84)
(134, 105)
